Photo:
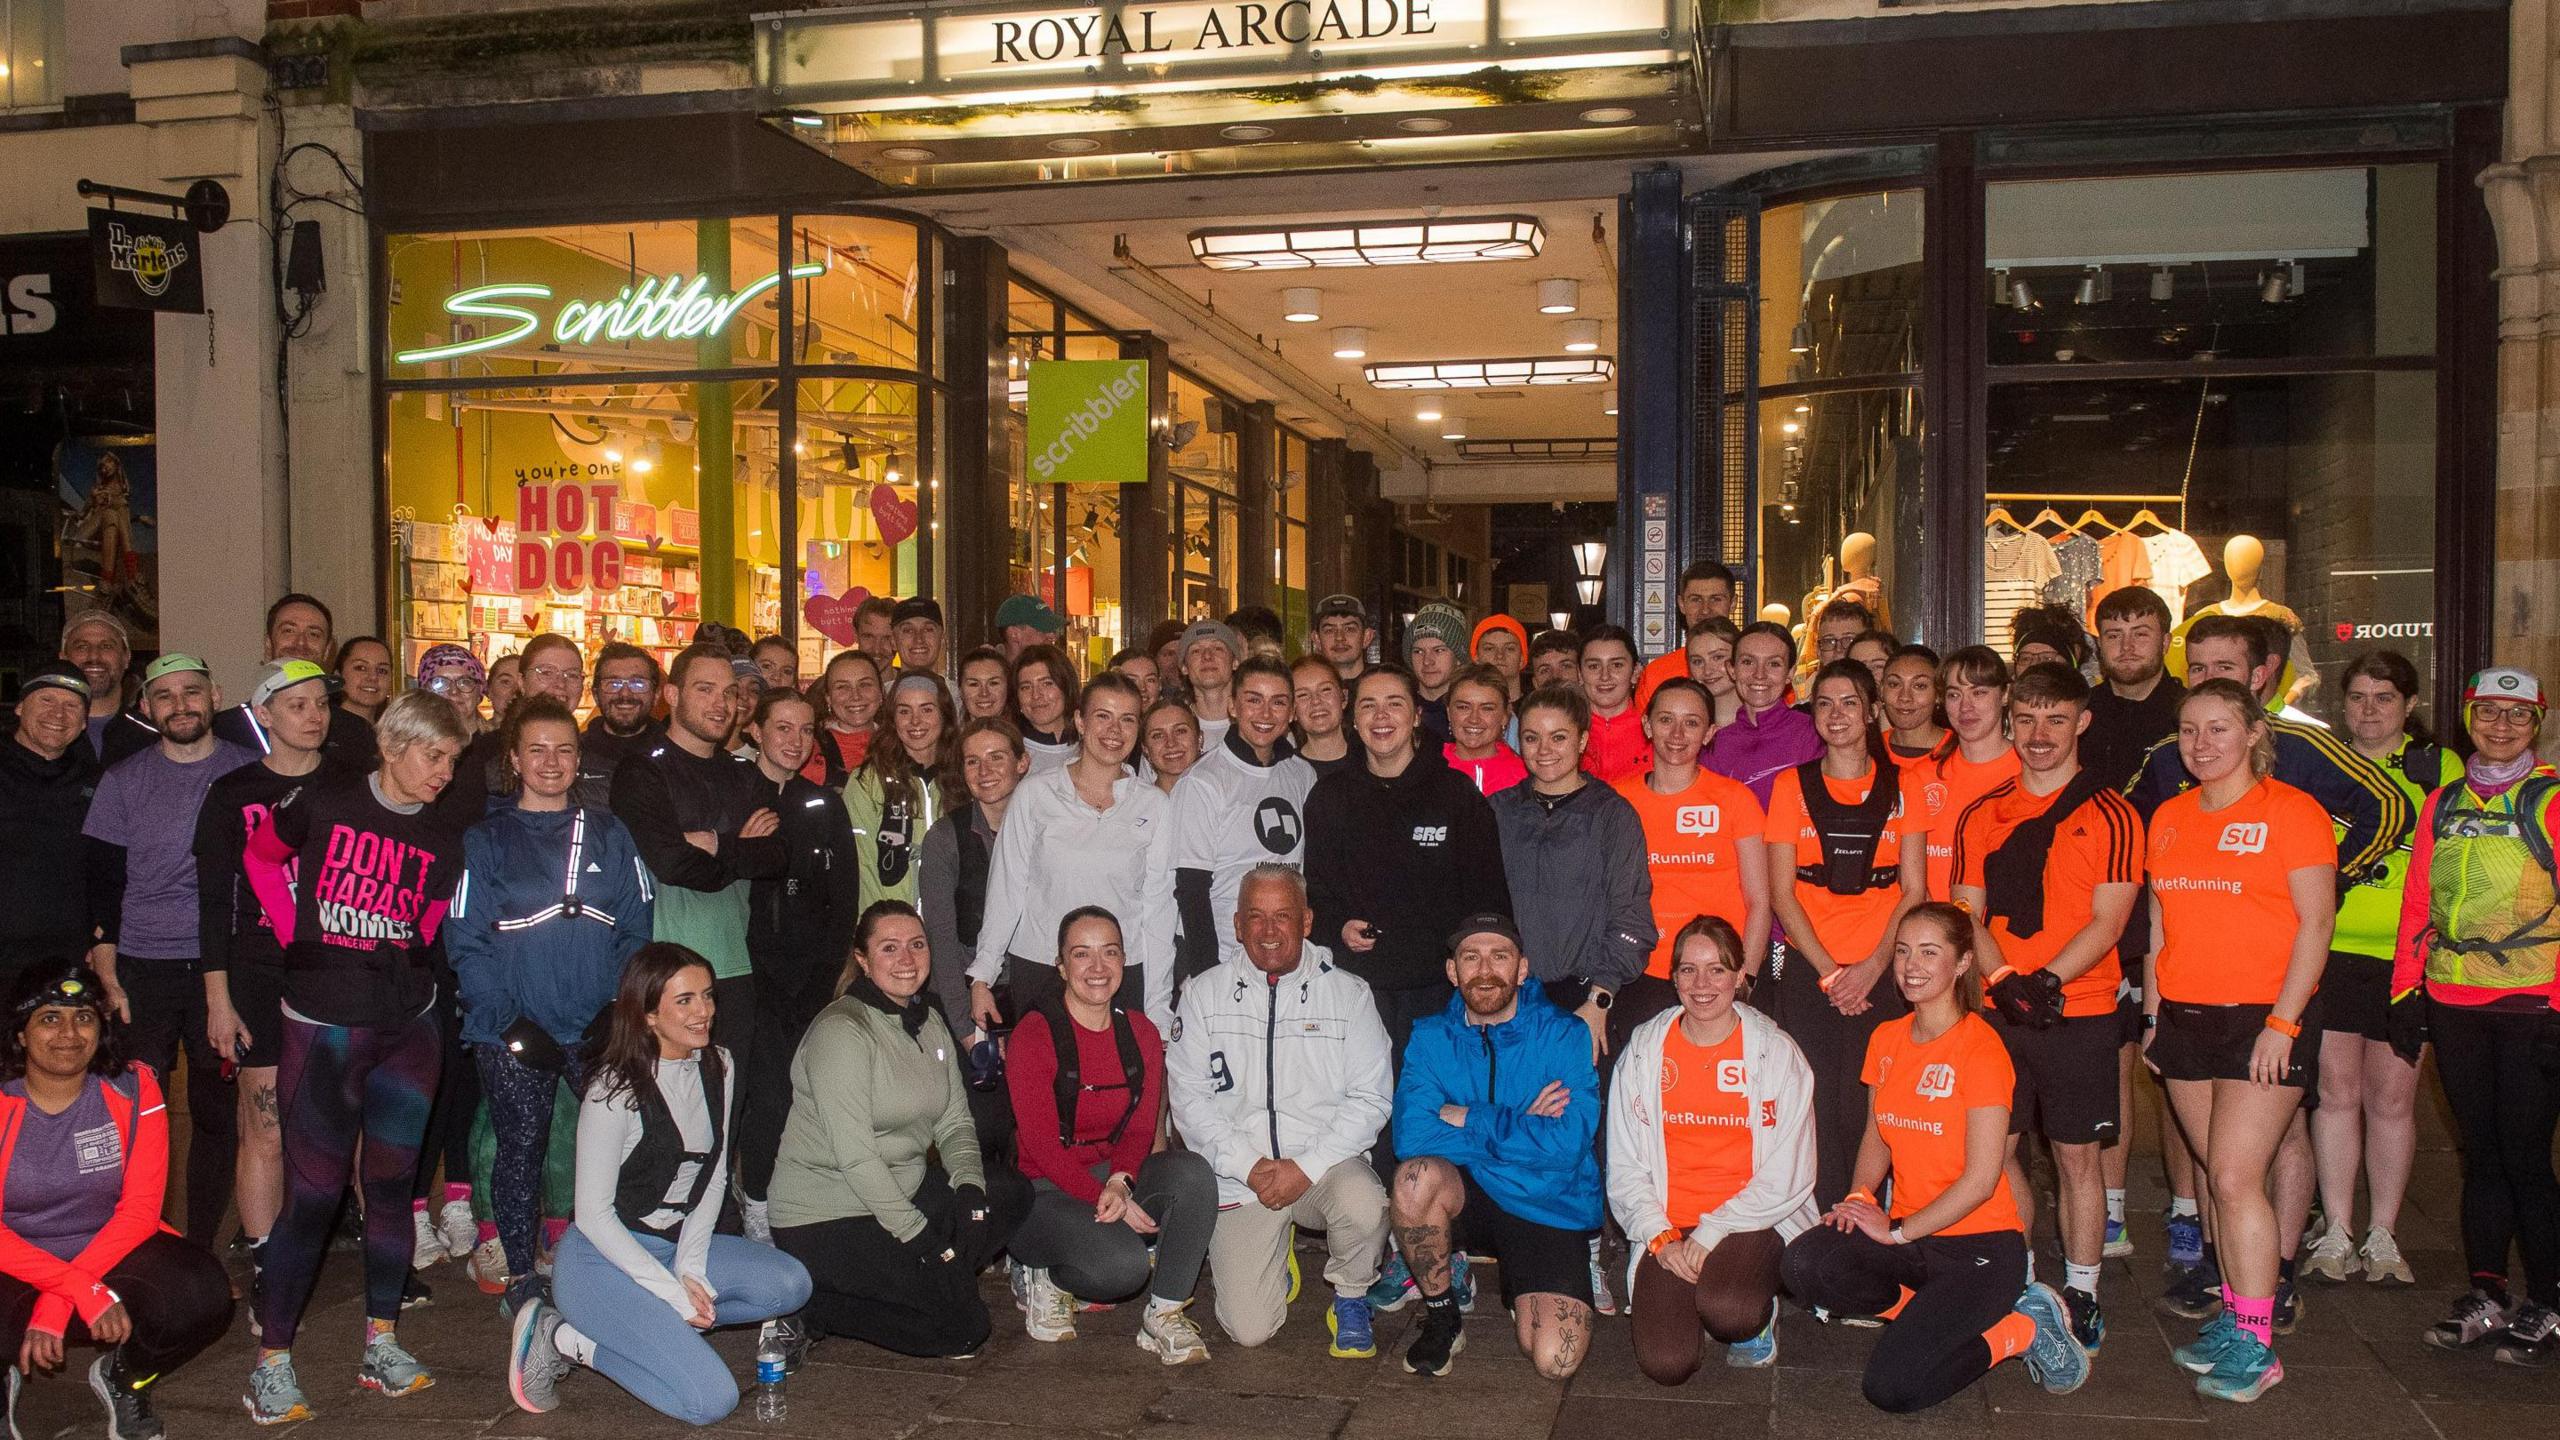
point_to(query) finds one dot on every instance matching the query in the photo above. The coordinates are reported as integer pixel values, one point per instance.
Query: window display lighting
(1446, 240)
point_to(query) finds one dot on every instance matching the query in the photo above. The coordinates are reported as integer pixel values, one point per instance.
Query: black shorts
(257, 995)
(2212, 1042)
(2066, 1088)
(2355, 995)
(1530, 1258)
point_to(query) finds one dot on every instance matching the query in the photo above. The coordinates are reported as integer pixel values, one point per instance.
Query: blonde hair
(2253, 717)
(416, 718)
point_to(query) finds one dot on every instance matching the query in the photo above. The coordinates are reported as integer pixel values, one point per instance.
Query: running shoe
(1602, 1299)
(1290, 1250)
(1171, 1335)
(1437, 1342)
(534, 1362)
(128, 1400)
(2088, 1322)
(2331, 1256)
(2288, 1307)
(416, 1293)
(1394, 1288)
(2194, 1294)
(2186, 1241)
(2383, 1264)
(2119, 1241)
(1049, 1313)
(755, 1220)
(1760, 1351)
(1462, 1281)
(2474, 1318)
(2246, 1371)
(391, 1369)
(792, 1334)
(2529, 1339)
(460, 1231)
(428, 1246)
(489, 1266)
(2054, 1358)
(1348, 1322)
(2200, 1355)
(275, 1397)
(1020, 1276)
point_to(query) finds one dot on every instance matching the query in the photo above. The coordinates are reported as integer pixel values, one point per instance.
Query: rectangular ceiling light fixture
(1597, 448)
(1338, 243)
(1484, 374)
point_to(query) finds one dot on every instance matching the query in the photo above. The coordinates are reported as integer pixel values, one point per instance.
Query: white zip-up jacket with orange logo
(1779, 1086)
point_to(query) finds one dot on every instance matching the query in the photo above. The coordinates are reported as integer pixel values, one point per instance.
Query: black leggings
(1729, 1303)
(177, 1295)
(169, 1011)
(1961, 1286)
(2505, 1106)
(1835, 1046)
(867, 1284)
(456, 1105)
(1111, 1262)
(783, 1013)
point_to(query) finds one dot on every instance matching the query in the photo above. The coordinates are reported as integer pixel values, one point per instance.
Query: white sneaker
(1172, 1336)
(756, 1218)
(1049, 1313)
(429, 1249)
(489, 1266)
(2383, 1264)
(2331, 1257)
(460, 1230)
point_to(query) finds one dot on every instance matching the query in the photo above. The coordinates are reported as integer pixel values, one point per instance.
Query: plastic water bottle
(771, 1404)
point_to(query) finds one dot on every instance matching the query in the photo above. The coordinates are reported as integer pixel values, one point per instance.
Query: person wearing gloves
(1573, 851)
(1435, 645)
(1244, 804)
(1278, 1076)
(1085, 833)
(1711, 1165)
(537, 940)
(1495, 1115)
(641, 1278)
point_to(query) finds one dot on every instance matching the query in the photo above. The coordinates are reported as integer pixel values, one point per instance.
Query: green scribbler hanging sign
(1088, 422)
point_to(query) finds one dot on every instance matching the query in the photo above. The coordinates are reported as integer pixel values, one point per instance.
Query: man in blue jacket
(1494, 1119)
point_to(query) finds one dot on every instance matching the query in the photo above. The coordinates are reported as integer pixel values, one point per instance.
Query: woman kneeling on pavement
(1105, 1191)
(84, 1160)
(1945, 1266)
(640, 1278)
(1711, 1167)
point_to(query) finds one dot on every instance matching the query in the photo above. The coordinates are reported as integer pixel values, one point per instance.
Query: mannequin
(2244, 560)
(1858, 576)
(1776, 613)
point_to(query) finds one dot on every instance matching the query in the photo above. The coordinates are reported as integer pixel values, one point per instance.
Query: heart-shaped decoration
(668, 600)
(2346, 630)
(895, 514)
(832, 615)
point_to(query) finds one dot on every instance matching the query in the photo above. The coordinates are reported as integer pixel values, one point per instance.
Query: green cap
(174, 663)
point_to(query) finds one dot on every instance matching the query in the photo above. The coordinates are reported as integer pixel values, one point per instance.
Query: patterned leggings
(520, 1100)
(340, 1084)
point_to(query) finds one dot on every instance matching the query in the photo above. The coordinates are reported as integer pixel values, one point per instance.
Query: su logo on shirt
(1937, 1082)
(2243, 837)
(1698, 819)
(1729, 1077)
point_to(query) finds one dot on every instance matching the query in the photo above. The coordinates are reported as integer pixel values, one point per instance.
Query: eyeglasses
(625, 685)
(451, 685)
(549, 674)
(2485, 714)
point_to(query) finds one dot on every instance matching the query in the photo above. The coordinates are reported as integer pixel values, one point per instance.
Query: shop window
(2131, 438)
(1202, 438)
(1289, 536)
(868, 511)
(31, 53)
(1067, 545)
(866, 305)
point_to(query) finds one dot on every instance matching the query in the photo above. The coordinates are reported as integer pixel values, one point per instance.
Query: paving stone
(1634, 1418)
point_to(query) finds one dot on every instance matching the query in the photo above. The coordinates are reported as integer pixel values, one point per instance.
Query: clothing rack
(2052, 496)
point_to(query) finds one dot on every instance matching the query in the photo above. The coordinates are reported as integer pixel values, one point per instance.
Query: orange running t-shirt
(2098, 844)
(1938, 793)
(1689, 843)
(1920, 1094)
(2227, 920)
(1851, 927)
(1706, 1125)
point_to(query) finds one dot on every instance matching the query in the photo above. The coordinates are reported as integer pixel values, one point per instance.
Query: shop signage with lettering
(1159, 30)
(556, 547)
(146, 262)
(669, 307)
(1088, 422)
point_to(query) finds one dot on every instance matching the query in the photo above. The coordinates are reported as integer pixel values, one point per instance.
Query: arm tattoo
(1426, 1253)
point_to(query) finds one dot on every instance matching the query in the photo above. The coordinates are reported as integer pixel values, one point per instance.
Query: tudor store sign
(659, 307)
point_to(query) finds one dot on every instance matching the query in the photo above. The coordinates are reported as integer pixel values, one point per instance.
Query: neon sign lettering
(662, 308)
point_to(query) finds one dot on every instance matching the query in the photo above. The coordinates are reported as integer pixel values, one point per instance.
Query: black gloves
(974, 1225)
(2032, 1000)
(2405, 1024)
(936, 1243)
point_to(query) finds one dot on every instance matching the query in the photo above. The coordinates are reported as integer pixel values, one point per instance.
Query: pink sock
(418, 1207)
(2256, 1316)
(488, 1231)
(454, 1192)
(552, 1230)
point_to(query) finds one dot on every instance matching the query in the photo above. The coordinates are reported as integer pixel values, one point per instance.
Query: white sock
(1158, 1306)
(573, 1344)
(2115, 1207)
(2083, 1278)
(2031, 1265)
(2182, 1206)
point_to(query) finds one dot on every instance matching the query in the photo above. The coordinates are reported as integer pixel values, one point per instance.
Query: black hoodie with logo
(1412, 854)
(43, 804)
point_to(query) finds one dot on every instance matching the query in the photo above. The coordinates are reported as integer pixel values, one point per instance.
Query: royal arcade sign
(659, 307)
(1101, 34)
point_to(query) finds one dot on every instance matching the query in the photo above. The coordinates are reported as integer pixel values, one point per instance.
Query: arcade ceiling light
(1488, 374)
(1349, 243)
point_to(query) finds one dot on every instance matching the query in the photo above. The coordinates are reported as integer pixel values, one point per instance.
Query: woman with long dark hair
(641, 1278)
(904, 785)
(364, 677)
(84, 1254)
(1844, 867)
(1045, 702)
(957, 852)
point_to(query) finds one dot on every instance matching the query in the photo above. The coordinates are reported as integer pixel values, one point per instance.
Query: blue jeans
(644, 1346)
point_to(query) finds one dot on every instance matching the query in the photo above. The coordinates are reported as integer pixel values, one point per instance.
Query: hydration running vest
(2492, 897)
(1069, 1084)
(649, 1171)
(1850, 833)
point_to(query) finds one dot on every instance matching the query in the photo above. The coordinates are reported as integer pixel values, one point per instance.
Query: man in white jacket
(1278, 1074)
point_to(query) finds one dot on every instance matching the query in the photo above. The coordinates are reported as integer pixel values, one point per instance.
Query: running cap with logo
(1486, 923)
(278, 676)
(1029, 610)
(174, 663)
(57, 675)
(2505, 682)
(1347, 606)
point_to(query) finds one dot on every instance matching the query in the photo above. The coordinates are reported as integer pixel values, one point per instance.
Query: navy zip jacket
(1535, 1168)
(518, 946)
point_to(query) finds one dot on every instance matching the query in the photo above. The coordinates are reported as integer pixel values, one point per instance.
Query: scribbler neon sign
(662, 308)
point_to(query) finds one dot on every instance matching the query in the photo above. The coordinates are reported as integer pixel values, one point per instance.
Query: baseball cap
(278, 676)
(174, 663)
(2505, 682)
(57, 675)
(742, 667)
(1349, 605)
(1485, 923)
(1029, 610)
(916, 607)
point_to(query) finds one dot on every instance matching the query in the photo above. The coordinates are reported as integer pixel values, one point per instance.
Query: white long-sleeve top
(1289, 1069)
(1779, 1086)
(1056, 853)
(608, 1131)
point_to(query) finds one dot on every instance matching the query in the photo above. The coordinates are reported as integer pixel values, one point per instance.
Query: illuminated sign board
(672, 307)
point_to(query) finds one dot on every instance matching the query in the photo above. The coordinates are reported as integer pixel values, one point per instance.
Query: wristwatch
(1601, 998)
(1898, 1237)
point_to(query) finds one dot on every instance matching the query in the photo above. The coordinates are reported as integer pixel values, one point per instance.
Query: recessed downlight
(909, 153)
(1301, 305)
(1609, 115)
(1581, 337)
(1423, 124)
(1559, 296)
(1350, 342)
(1428, 412)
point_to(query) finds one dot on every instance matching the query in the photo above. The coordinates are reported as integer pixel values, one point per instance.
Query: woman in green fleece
(893, 1241)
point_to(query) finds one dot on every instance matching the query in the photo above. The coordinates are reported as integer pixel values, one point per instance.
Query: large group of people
(1693, 987)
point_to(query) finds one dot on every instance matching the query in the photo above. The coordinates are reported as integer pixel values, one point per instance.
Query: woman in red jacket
(84, 1160)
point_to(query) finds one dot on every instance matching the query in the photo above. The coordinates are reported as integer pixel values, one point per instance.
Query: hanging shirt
(1920, 1095)
(2081, 560)
(2123, 562)
(2015, 567)
(2176, 563)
